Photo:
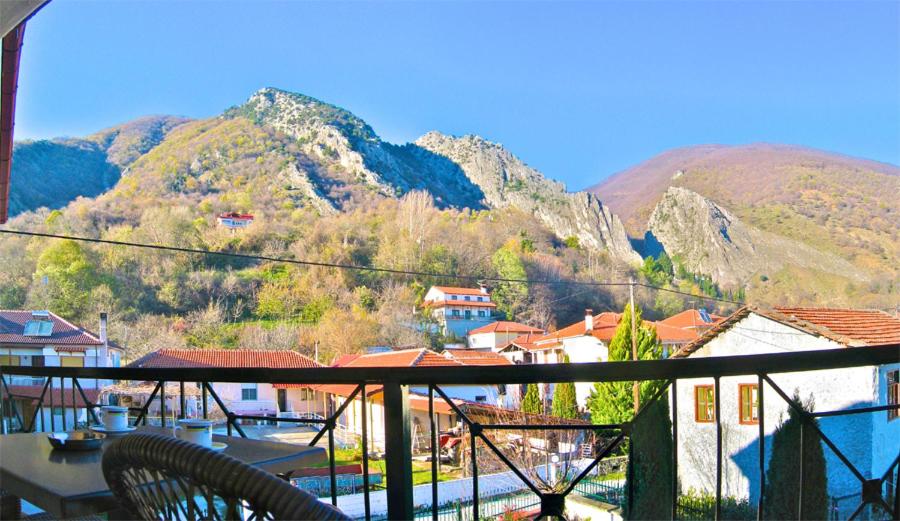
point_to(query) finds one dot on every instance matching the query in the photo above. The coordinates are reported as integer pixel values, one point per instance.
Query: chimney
(483, 288)
(103, 335)
(588, 320)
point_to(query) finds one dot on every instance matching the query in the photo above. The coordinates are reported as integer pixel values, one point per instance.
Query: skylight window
(42, 328)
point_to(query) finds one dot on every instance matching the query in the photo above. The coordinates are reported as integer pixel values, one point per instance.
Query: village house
(44, 339)
(457, 311)
(588, 341)
(234, 220)
(351, 420)
(256, 399)
(493, 336)
(871, 441)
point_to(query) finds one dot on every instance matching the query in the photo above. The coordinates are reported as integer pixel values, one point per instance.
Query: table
(69, 484)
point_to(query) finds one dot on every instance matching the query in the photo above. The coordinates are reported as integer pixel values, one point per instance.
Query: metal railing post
(162, 403)
(365, 452)
(718, 416)
(52, 416)
(434, 455)
(761, 414)
(205, 399)
(182, 403)
(398, 451)
(674, 390)
(800, 495)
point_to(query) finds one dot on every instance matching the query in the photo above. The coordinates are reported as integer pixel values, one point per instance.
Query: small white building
(870, 440)
(234, 220)
(458, 311)
(493, 336)
(257, 399)
(44, 339)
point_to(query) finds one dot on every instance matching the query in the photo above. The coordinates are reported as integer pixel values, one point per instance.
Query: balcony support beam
(398, 449)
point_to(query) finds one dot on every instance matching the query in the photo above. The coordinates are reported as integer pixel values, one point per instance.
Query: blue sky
(578, 90)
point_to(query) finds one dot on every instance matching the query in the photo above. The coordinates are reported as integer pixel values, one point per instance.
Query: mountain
(817, 208)
(709, 239)
(51, 173)
(467, 172)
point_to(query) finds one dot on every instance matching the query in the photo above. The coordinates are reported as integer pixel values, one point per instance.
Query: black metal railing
(877, 492)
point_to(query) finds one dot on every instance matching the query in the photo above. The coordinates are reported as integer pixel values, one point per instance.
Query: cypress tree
(565, 402)
(782, 490)
(650, 463)
(613, 402)
(532, 402)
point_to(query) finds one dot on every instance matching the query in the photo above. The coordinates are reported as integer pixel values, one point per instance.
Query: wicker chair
(159, 477)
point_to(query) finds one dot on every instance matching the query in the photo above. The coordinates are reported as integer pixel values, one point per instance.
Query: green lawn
(421, 469)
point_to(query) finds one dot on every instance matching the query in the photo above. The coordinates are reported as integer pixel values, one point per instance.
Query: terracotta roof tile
(407, 358)
(255, 358)
(849, 327)
(461, 303)
(33, 392)
(691, 318)
(605, 325)
(454, 290)
(471, 357)
(344, 360)
(12, 327)
(503, 326)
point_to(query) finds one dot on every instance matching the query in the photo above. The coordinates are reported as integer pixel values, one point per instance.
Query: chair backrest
(159, 477)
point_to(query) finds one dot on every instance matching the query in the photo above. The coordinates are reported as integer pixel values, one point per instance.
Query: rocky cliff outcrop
(506, 181)
(709, 239)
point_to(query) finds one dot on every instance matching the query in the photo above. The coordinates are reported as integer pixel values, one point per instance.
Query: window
(704, 404)
(248, 392)
(455, 312)
(452, 297)
(749, 403)
(9, 360)
(480, 312)
(71, 361)
(893, 393)
(481, 399)
(467, 298)
(37, 360)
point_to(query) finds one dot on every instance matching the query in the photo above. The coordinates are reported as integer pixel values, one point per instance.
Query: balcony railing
(879, 492)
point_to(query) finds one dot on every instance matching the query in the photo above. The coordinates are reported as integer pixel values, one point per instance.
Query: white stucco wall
(831, 390)
(582, 349)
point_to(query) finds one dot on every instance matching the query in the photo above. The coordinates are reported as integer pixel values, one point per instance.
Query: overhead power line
(353, 267)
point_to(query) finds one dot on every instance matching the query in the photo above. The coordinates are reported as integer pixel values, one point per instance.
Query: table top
(69, 483)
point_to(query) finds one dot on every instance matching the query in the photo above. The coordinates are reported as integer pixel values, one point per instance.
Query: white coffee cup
(114, 417)
(197, 431)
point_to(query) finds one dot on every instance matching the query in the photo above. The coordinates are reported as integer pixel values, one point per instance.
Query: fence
(394, 387)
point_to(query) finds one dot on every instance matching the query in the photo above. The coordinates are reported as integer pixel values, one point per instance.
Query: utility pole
(634, 353)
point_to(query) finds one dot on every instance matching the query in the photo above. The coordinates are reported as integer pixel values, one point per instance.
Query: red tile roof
(407, 358)
(605, 325)
(504, 326)
(870, 326)
(525, 342)
(255, 358)
(472, 357)
(691, 318)
(462, 303)
(12, 327)
(453, 290)
(33, 392)
(344, 360)
(849, 327)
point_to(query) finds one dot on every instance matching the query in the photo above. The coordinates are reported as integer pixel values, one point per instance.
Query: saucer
(77, 440)
(218, 446)
(104, 430)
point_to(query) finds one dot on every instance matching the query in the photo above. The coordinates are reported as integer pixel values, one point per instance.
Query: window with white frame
(249, 392)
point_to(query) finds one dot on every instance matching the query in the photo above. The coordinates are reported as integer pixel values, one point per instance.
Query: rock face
(507, 181)
(710, 240)
(466, 172)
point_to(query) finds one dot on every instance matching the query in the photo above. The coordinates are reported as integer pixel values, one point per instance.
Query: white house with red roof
(35, 338)
(493, 336)
(234, 220)
(587, 341)
(257, 399)
(870, 440)
(462, 395)
(458, 311)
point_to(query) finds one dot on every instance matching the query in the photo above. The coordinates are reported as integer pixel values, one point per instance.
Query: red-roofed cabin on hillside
(458, 311)
(870, 441)
(37, 338)
(234, 220)
(258, 399)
